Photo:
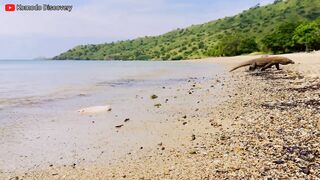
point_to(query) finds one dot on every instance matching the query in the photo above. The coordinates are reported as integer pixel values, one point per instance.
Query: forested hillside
(282, 27)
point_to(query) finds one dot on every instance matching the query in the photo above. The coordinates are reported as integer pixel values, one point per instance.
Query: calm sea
(27, 81)
(39, 102)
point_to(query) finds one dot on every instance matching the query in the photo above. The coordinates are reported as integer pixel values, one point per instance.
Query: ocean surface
(24, 82)
(40, 123)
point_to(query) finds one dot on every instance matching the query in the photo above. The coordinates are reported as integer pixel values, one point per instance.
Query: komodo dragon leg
(253, 67)
(269, 65)
(278, 67)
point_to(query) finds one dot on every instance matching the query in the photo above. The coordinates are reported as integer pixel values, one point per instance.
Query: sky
(27, 35)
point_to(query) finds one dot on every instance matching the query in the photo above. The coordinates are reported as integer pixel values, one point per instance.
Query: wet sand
(237, 125)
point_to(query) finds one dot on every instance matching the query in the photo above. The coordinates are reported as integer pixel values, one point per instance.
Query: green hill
(247, 32)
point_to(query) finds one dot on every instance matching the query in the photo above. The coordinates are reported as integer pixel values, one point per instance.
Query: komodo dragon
(264, 63)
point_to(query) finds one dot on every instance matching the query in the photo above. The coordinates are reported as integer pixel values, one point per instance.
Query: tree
(280, 40)
(308, 35)
(247, 45)
(235, 44)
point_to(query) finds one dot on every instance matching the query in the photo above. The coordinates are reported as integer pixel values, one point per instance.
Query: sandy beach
(239, 125)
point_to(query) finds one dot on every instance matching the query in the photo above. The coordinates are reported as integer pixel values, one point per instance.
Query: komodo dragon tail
(241, 65)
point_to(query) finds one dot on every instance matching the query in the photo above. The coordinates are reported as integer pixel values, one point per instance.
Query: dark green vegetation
(282, 27)
(293, 37)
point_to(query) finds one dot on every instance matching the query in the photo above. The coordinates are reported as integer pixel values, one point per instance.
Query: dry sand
(267, 127)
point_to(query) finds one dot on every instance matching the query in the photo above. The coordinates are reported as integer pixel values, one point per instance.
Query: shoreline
(267, 126)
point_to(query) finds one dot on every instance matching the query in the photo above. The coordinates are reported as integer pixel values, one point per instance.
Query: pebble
(154, 96)
(193, 137)
(119, 126)
(127, 119)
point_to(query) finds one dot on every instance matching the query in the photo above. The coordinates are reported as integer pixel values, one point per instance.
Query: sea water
(24, 82)
(39, 102)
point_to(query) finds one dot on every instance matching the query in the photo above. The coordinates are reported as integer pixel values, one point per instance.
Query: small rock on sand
(154, 96)
(193, 152)
(127, 119)
(119, 126)
(193, 137)
(278, 162)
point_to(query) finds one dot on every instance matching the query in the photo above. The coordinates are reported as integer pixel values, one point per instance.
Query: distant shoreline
(245, 55)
